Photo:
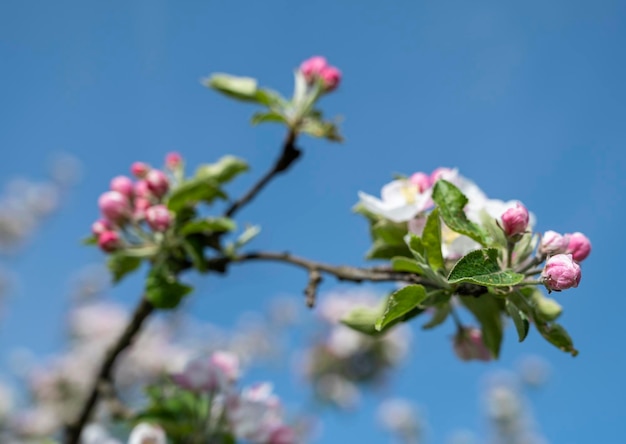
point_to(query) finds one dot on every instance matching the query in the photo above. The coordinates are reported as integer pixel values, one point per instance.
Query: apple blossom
(553, 243)
(515, 220)
(173, 160)
(140, 169)
(421, 181)
(216, 372)
(114, 206)
(158, 182)
(400, 201)
(109, 241)
(123, 185)
(146, 433)
(158, 217)
(561, 273)
(312, 68)
(579, 246)
(469, 345)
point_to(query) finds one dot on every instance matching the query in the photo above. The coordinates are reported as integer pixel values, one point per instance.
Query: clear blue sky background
(527, 98)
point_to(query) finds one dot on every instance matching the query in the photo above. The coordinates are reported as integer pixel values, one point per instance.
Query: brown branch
(341, 272)
(315, 279)
(287, 157)
(104, 377)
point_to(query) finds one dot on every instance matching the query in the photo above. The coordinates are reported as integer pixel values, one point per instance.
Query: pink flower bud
(109, 241)
(331, 77)
(114, 206)
(441, 173)
(312, 68)
(123, 185)
(561, 273)
(157, 182)
(469, 345)
(579, 246)
(100, 226)
(421, 181)
(142, 190)
(139, 169)
(173, 160)
(140, 207)
(553, 243)
(515, 220)
(158, 217)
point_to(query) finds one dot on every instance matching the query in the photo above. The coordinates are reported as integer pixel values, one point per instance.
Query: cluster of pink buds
(564, 254)
(129, 203)
(317, 68)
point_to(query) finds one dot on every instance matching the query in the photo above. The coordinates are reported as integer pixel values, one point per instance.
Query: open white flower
(400, 201)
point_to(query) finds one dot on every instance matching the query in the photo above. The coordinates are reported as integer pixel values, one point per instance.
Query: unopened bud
(100, 226)
(553, 243)
(157, 182)
(469, 345)
(579, 246)
(139, 169)
(158, 217)
(173, 160)
(331, 77)
(114, 206)
(123, 185)
(312, 68)
(141, 204)
(515, 220)
(109, 241)
(561, 273)
(421, 181)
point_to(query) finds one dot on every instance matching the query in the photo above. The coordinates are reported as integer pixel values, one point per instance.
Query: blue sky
(526, 98)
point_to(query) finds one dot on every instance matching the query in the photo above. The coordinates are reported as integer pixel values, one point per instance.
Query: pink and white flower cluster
(564, 254)
(129, 203)
(253, 414)
(317, 69)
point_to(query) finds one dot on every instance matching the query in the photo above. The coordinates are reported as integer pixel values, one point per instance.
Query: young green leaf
(241, 88)
(193, 191)
(363, 319)
(481, 267)
(267, 117)
(451, 202)
(431, 240)
(519, 319)
(401, 303)
(439, 316)
(163, 290)
(210, 224)
(121, 265)
(557, 336)
(400, 263)
(222, 171)
(487, 311)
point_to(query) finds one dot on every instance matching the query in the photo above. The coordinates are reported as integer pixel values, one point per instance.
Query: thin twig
(288, 156)
(315, 279)
(141, 313)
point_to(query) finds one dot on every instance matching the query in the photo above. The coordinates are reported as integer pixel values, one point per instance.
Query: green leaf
(121, 265)
(382, 250)
(389, 232)
(222, 171)
(322, 129)
(268, 117)
(270, 98)
(241, 88)
(400, 263)
(164, 290)
(210, 224)
(193, 191)
(439, 316)
(90, 240)
(363, 319)
(519, 319)
(558, 336)
(401, 303)
(481, 267)
(487, 310)
(431, 240)
(492, 230)
(451, 203)
(546, 309)
(417, 247)
(195, 250)
(141, 252)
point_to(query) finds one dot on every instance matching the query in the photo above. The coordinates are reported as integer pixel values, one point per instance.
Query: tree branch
(341, 272)
(104, 377)
(287, 157)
